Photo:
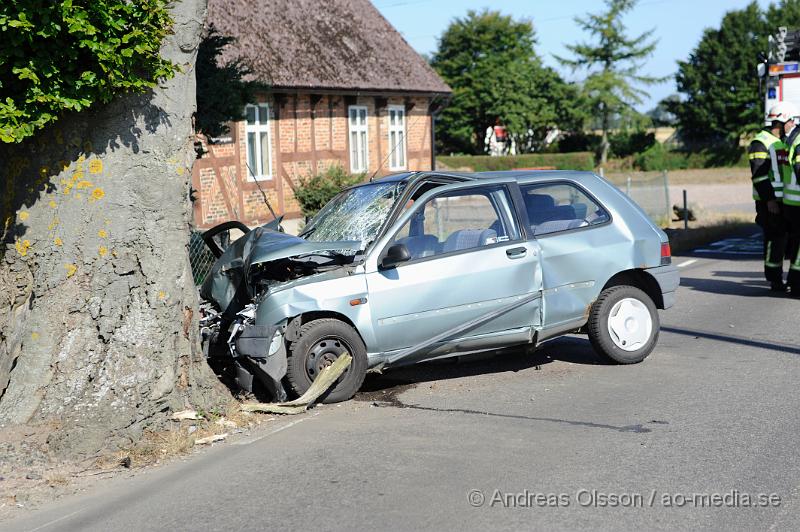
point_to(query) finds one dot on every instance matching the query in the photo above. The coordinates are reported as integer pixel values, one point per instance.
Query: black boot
(778, 286)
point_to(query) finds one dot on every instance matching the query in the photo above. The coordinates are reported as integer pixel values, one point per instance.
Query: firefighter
(791, 211)
(769, 168)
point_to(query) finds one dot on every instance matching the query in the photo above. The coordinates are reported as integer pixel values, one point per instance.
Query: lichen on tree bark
(98, 332)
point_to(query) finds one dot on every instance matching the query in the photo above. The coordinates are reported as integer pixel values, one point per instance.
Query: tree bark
(98, 329)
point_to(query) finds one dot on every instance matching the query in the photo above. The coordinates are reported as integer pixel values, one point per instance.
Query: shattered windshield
(355, 214)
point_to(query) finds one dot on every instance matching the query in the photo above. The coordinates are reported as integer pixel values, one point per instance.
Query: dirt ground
(30, 476)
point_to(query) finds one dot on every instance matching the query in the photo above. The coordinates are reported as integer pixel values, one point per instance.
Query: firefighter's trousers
(791, 215)
(775, 241)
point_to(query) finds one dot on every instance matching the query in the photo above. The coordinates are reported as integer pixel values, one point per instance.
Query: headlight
(275, 344)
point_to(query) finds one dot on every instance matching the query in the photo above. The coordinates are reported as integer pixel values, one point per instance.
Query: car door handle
(516, 253)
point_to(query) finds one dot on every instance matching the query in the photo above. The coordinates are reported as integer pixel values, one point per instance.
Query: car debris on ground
(321, 384)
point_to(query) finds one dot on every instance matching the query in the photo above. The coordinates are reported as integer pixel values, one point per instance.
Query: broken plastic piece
(185, 414)
(210, 439)
(326, 378)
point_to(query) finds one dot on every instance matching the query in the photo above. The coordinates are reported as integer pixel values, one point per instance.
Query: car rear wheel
(623, 324)
(319, 343)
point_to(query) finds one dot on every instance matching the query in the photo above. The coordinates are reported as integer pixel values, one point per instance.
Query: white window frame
(398, 157)
(362, 142)
(261, 125)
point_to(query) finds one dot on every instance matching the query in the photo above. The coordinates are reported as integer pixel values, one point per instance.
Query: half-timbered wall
(308, 133)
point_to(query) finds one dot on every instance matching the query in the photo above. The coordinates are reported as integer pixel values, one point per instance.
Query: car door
(468, 258)
(576, 239)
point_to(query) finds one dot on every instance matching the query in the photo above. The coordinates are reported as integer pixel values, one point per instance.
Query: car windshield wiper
(307, 232)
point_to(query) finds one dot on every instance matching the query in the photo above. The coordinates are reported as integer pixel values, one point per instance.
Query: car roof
(527, 175)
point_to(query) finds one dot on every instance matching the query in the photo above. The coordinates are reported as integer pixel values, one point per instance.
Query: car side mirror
(396, 254)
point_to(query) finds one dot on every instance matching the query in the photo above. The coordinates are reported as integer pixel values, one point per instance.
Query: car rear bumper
(668, 279)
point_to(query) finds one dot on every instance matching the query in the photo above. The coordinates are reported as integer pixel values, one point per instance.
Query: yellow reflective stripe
(758, 155)
(768, 254)
(760, 179)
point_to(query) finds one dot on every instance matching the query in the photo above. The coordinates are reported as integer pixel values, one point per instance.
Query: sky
(677, 24)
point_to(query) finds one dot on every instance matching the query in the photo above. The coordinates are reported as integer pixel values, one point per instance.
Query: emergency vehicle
(780, 71)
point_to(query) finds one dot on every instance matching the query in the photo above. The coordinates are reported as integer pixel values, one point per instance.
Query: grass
(176, 440)
(704, 176)
(484, 163)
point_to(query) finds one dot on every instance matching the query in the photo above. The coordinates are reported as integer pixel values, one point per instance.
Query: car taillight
(666, 254)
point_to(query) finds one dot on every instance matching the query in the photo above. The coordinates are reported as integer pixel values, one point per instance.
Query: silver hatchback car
(423, 265)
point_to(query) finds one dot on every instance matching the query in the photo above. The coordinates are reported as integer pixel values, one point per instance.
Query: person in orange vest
(769, 169)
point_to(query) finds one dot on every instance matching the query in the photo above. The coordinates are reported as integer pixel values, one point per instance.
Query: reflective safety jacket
(791, 187)
(769, 166)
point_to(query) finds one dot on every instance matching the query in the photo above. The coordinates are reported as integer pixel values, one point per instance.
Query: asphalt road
(549, 440)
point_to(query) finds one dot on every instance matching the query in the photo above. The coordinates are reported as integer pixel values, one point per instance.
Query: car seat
(539, 207)
(469, 238)
(554, 226)
(562, 212)
(420, 246)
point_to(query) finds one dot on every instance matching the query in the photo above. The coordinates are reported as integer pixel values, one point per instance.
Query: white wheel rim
(630, 324)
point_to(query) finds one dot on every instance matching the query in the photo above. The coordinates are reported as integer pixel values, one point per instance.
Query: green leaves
(612, 65)
(490, 62)
(314, 192)
(718, 81)
(58, 56)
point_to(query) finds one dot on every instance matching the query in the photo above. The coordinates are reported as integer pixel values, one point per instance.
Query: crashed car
(422, 265)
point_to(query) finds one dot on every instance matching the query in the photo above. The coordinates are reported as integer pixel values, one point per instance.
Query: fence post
(685, 211)
(628, 187)
(666, 193)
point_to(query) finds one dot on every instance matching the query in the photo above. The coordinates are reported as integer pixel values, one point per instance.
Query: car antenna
(263, 195)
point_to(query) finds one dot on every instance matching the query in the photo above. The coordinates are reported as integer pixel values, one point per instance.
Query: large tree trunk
(97, 303)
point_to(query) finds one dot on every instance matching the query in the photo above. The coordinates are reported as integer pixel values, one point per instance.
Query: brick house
(344, 88)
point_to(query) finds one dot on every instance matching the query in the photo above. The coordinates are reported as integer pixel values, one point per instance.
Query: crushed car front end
(266, 283)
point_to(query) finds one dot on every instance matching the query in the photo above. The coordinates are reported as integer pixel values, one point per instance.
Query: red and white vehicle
(781, 69)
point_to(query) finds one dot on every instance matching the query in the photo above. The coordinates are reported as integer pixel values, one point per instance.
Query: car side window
(459, 220)
(559, 207)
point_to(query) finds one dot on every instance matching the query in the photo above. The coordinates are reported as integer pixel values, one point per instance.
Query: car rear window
(556, 207)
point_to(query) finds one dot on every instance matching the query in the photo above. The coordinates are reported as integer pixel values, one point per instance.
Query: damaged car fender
(339, 293)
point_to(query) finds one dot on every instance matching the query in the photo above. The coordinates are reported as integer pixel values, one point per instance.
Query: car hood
(228, 282)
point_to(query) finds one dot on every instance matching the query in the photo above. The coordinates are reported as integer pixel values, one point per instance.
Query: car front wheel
(319, 343)
(623, 324)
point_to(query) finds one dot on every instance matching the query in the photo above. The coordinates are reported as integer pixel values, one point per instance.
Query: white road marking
(55, 521)
(275, 431)
(687, 263)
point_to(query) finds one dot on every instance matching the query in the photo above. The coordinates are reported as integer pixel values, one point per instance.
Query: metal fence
(650, 190)
(200, 257)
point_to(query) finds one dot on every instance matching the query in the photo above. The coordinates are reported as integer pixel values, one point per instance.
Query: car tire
(319, 343)
(623, 324)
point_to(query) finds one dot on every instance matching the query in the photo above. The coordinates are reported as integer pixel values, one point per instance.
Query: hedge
(314, 192)
(657, 157)
(484, 163)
